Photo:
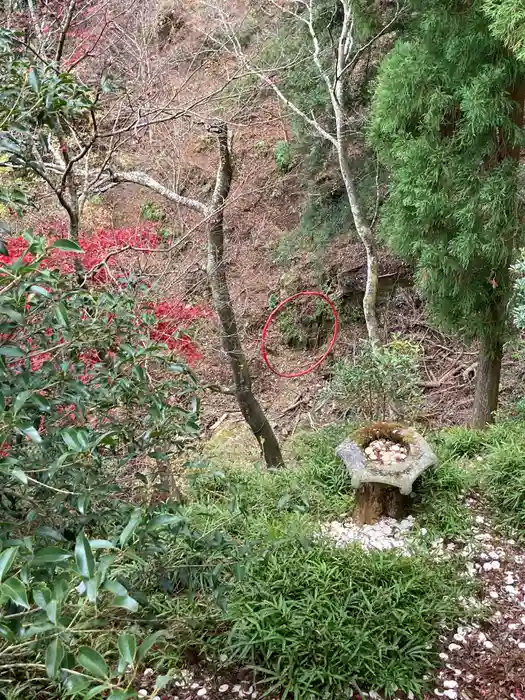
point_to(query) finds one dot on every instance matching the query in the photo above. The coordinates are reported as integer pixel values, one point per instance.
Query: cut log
(374, 501)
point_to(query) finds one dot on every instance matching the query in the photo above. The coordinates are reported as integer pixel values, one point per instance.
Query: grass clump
(460, 442)
(439, 502)
(503, 474)
(321, 622)
(315, 484)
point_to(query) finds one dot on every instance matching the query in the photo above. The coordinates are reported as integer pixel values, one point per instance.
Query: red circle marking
(271, 317)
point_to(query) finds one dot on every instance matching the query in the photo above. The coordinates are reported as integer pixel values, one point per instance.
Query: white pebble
(450, 684)
(236, 688)
(443, 656)
(452, 694)
(223, 688)
(202, 692)
(488, 644)
(513, 625)
(494, 595)
(521, 645)
(143, 693)
(454, 647)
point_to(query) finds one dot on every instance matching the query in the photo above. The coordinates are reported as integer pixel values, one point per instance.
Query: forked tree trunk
(487, 384)
(231, 343)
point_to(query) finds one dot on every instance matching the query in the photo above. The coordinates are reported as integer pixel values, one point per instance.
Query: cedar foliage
(444, 121)
(507, 19)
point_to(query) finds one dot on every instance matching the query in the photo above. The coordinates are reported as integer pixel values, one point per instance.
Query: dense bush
(84, 392)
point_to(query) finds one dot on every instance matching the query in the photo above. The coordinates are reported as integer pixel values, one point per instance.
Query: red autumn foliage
(107, 262)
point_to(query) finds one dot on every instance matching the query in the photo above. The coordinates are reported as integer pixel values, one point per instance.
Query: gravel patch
(387, 533)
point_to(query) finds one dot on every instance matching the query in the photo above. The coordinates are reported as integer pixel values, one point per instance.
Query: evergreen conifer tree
(447, 120)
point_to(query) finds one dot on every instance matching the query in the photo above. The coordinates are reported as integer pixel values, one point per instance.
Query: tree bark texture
(374, 501)
(367, 239)
(231, 343)
(487, 384)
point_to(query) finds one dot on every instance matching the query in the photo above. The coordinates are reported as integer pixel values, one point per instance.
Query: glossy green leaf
(84, 556)
(14, 315)
(52, 611)
(50, 533)
(33, 79)
(97, 690)
(42, 596)
(93, 662)
(50, 555)
(91, 590)
(3, 248)
(14, 588)
(37, 289)
(42, 403)
(20, 400)
(6, 633)
(163, 520)
(76, 439)
(82, 503)
(67, 244)
(127, 646)
(148, 643)
(19, 475)
(115, 587)
(32, 433)
(76, 684)
(125, 601)
(130, 528)
(11, 351)
(61, 314)
(101, 544)
(7, 558)
(54, 655)
(162, 681)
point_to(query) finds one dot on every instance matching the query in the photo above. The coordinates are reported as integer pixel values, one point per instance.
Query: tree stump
(374, 501)
(382, 489)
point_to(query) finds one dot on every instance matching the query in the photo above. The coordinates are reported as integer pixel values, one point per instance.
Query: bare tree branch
(140, 178)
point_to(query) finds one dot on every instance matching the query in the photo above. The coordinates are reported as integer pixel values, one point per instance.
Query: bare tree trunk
(231, 343)
(487, 385)
(367, 239)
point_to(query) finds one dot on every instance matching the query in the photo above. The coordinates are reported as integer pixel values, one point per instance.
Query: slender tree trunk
(231, 343)
(74, 230)
(367, 239)
(487, 385)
